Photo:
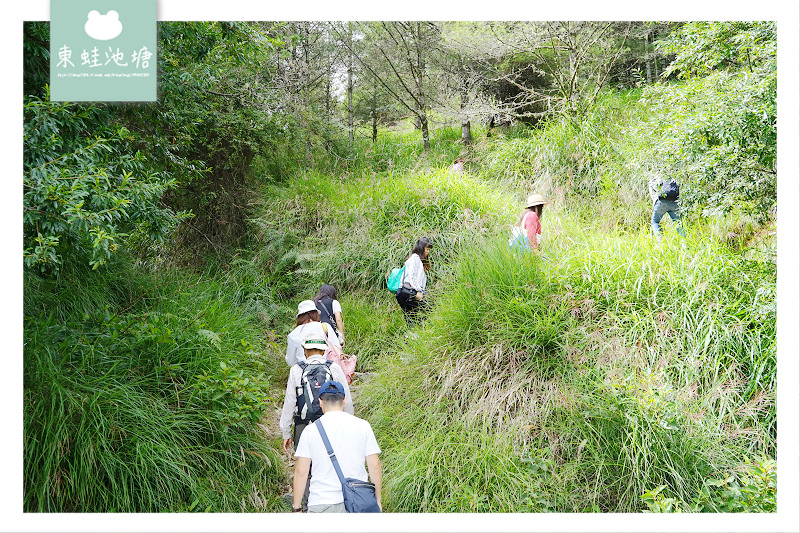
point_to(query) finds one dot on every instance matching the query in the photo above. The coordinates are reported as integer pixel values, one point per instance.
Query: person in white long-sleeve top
(313, 346)
(411, 294)
(301, 402)
(307, 322)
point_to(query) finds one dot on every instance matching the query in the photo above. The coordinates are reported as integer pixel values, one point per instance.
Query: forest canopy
(232, 94)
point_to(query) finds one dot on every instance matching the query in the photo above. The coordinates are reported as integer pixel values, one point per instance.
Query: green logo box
(103, 50)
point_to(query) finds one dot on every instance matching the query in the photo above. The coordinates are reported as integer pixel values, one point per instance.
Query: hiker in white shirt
(353, 443)
(307, 322)
(297, 411)
(411, 294)
(313, 346)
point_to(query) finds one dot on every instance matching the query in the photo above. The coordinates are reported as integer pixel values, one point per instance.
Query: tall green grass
(350, 233)
(613, 364)
(577, 379)
(573, 380)
(598, 166)
(143, 396)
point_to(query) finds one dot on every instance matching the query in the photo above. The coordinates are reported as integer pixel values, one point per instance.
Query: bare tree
(396, 55)
(554, 66)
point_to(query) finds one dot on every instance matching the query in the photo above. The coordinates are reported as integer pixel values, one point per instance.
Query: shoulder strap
(330, 452)
(325, 329)
(403, 274)
(302, 365)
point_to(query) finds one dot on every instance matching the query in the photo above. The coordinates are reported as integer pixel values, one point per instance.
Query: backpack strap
(325, 329)
(330, 312)
(301, 409)
(331, 315)
(328, 365)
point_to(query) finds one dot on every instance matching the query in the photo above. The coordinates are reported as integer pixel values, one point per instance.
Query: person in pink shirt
(529, 227)
(458, 165)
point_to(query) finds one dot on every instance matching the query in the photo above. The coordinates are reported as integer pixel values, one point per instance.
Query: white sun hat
(536, 199)
(305, 306)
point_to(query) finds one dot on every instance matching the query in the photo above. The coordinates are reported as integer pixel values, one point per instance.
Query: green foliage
(610, 367)
(658, 503)
(719, 137)
(704, 47)
(753, 489)
(36, 54)
(211, 120)
(718, 133)
(235, 398)
(594, 164)
(85, 189)
(575, 379)
(143, 409)
(453, 471)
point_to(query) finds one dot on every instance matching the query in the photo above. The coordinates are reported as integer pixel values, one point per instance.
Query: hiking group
(526, 234)
(331, 445)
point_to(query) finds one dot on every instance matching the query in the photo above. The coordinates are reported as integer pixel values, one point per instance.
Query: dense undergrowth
(603, 374)
(597, 374)
(141, 395)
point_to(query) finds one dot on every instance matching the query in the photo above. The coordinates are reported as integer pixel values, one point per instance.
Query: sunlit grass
(616, 362)
(573, 379)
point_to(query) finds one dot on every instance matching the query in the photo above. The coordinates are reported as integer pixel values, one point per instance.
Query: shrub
(85, 189)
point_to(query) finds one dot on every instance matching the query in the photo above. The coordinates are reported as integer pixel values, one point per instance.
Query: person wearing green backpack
(411, 293)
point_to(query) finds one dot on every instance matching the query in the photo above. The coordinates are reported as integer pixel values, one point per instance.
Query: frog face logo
(103, 27)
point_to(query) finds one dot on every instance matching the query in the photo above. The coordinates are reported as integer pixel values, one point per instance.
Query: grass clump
(144, 403)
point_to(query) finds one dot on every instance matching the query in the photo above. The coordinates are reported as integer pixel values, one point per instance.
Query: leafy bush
(85, 189)
(718, 129)
(751, 490)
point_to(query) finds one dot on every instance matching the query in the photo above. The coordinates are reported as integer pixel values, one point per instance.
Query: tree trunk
(423, 118)
(655, 57)
(647, 59)
(423, 121)
(350, 132)
(375, 112)
(328, 94)
(466, 131)
(573, 73)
